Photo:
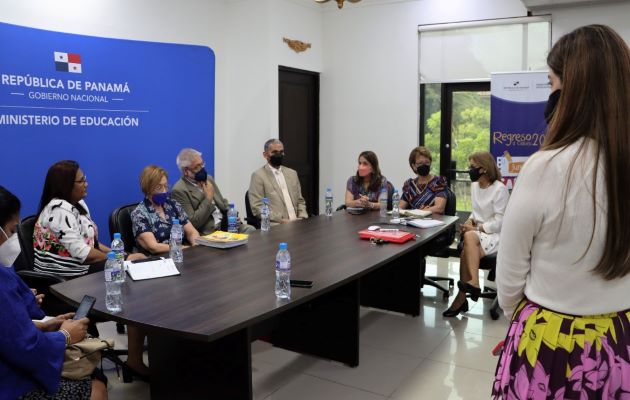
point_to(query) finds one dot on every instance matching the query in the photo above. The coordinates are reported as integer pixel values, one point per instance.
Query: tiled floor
(403, 358)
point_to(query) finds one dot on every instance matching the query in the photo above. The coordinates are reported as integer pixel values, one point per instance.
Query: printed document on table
(151, 269)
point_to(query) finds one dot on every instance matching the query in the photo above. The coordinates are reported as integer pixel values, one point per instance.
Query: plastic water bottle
(232, 219)
(177, 235)
(329, 202)
(118, 247)
(396, 204)
(283, 272)
(382, 200)
(265, 222)
(113, 283)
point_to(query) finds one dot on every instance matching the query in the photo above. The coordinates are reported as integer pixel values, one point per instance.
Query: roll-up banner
(517, 122)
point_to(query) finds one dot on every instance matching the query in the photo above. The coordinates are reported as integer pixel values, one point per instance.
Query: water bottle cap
(328, 189)
(175, 221)
(383, 190)
(283, 246)
(111, 255)
(265, 200)
(116, 235)
(231, 205)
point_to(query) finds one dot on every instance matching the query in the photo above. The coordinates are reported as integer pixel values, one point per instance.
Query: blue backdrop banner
(113, 105)
(517, 122)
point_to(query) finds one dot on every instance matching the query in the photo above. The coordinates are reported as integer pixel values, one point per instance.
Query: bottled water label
(283, 265)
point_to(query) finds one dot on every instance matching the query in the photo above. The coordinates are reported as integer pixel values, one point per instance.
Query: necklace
(422, 186)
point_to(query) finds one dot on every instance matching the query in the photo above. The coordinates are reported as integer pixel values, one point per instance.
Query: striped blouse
(62, 239)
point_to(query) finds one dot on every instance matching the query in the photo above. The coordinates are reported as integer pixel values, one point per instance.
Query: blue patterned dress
(424, 195)
(146, 219)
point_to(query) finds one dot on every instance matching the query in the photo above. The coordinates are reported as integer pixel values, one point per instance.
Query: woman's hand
(467, 226)
(136, 256)
(55, 323)
(77, 329)
(364, 201)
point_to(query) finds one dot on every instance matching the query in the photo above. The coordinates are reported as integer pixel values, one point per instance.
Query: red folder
(394, 237)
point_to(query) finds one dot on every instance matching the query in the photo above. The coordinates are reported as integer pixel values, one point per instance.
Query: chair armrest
(45, 277)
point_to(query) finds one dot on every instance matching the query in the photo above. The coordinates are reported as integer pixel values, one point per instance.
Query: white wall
(614, 15)
(369, 87)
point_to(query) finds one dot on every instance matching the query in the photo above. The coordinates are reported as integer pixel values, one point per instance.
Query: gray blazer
(197, 206)
(263, 184)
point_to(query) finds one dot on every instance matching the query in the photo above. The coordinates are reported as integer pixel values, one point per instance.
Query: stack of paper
(151, 269)
(425, 223)
(222, 240)
(413, 213)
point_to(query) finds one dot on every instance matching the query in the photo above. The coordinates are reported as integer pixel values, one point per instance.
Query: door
(299, 129)
(455, 122)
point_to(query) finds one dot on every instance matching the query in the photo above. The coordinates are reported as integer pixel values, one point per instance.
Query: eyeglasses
(82, 181)
(416, 165)
(161, 188)
(198, 168)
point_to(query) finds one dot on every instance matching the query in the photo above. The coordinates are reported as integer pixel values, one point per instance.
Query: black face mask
(201, 175)
(551, 105)
(423, 170)
(276, 160)
(475, 174)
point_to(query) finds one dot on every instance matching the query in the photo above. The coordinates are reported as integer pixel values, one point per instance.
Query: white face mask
(9, 250)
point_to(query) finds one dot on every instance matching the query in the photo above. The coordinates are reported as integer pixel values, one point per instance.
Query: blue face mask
(201, 175)
(159, 198)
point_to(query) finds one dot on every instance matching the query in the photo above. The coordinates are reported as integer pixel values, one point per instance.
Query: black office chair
(36, 279)
(120, 221)
(251, 218)
(440, 247)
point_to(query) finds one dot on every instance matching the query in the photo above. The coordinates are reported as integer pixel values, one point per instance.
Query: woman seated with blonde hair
(480, 233)
(153, 218)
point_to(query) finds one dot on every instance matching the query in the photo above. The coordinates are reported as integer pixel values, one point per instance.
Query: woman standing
(562, 270)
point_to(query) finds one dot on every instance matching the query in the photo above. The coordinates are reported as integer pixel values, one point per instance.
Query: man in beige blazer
(199, 195)
(279, 184)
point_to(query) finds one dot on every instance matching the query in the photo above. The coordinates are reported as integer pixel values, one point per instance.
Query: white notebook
(425, 223)
(151, 269)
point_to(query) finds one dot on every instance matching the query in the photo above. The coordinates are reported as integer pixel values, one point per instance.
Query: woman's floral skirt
(548, 355)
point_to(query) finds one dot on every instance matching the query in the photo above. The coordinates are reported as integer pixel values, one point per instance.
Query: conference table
(200, 324)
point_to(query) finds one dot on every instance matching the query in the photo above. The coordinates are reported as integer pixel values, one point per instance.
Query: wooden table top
(221, 291)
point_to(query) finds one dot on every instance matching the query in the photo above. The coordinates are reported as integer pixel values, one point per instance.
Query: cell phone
(301, 284)
(84, 308)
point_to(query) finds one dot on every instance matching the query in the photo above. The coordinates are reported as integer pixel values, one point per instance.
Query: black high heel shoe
(130, 373)
(466, 287)
(452, 313)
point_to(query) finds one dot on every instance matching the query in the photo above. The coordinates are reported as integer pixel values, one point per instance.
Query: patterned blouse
(358, 190)
(146, 219)
(423, 195)
(62, 239)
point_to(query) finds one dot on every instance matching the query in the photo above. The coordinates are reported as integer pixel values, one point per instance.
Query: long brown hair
(376, 177)
(59, 184)
(593, 64)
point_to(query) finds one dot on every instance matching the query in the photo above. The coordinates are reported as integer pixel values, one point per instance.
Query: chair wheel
(494, 314)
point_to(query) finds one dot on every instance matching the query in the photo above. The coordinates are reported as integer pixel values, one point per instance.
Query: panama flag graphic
(68, 62)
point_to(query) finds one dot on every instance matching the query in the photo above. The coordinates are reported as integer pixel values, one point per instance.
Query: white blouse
(488, 205)
(544, 252)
